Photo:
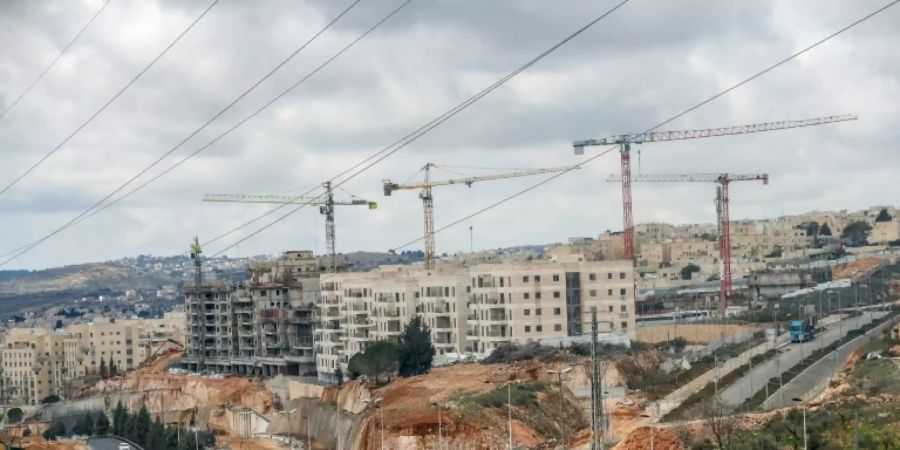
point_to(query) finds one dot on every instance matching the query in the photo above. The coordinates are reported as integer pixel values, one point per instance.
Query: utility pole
(598, 425)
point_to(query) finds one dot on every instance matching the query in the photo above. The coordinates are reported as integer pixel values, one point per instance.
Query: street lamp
(376, 402)
(562, 426)
(800, 400)
(652, 430)
(509, 409)
(440, 426)
(308, 434)
(288, 414)
(489, 431)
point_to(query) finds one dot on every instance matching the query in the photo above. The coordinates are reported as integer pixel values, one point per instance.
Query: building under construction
(262, 327)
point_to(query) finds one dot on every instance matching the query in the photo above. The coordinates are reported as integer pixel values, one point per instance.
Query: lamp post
(378, 403)
(800, 400)
(562, 426)
(509, 385)
(288, 414)
(652, 429)
(440, 425)
(308, 434)
(489, 431)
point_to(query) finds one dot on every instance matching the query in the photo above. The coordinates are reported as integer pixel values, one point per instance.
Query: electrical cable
(108, 102)
(96, 207)
(53, 63)
(411, 137)
(665, 122)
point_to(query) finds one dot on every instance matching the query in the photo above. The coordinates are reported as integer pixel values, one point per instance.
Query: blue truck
(803, 330)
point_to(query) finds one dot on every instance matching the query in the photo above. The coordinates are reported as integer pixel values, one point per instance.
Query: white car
(124, 446)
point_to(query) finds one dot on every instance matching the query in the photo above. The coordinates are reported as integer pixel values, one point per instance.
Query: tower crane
(325, 202)
(722, 181)
(428, 200)
(624, 141)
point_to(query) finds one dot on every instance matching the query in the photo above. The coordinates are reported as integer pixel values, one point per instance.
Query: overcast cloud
(646, 62)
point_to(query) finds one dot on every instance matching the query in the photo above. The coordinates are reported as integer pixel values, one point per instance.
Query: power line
(411, 137)
(96, 207)
(109, 102)
(53, 63)
(655, 127)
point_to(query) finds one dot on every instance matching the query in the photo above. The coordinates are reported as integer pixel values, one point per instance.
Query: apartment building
(471, 309)
(37, 362)
(262, 327)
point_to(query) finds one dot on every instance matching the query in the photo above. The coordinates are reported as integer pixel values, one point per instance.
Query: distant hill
(365, 261)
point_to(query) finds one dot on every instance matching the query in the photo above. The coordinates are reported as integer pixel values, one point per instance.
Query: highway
(106, 444)
(788, 357)
(814, 380)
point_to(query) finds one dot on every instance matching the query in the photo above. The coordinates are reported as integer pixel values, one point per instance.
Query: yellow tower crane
(428, 200)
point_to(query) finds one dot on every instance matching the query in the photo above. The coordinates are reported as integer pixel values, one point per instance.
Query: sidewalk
(676, 397)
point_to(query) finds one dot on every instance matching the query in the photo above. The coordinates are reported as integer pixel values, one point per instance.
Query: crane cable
(421, 131)
(655, 127)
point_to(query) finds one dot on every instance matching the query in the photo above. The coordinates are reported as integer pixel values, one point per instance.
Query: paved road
(811, 382)
(105, 444)
(788, 357)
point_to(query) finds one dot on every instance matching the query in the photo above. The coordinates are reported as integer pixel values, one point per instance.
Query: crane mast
(325, 202)
(723, 222)
(428, 184)
(624, 141)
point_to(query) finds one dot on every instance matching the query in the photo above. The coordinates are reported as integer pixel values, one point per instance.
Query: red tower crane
(624, 142)
(726, 294)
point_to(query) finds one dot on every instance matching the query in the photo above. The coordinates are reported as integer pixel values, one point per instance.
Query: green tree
(824, 229)
(55, 430)
(120, 417)
(688, 270)
(811, 228)
(357, 365)
(102, 426)
(52, 398)
(883, 216)
(142, 426)
(59, 325)
(15, 415)
(103, 372)
(856, 232)
(416, 351)
(84, 425)
(113, 370)
(155, 437)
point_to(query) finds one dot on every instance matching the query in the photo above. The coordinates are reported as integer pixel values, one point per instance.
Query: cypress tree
(416, 351)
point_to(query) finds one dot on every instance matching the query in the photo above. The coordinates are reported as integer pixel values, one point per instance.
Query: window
(624, 325)
(593, 292)
(526, 296)
(528, 328)
(624, 308)
(555, 294)
(539, 328)
(527, 312)
(621, 275)
(622, 291)
(609, 292)
(610, 308)
(555, 277)
(537, 278)
(537, 311)
(557, 327)
(556, 311)
(592, 277)
(537, 295)
(609, 276)
(525, 279)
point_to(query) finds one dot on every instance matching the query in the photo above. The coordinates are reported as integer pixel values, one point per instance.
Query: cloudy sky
(644, 63)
